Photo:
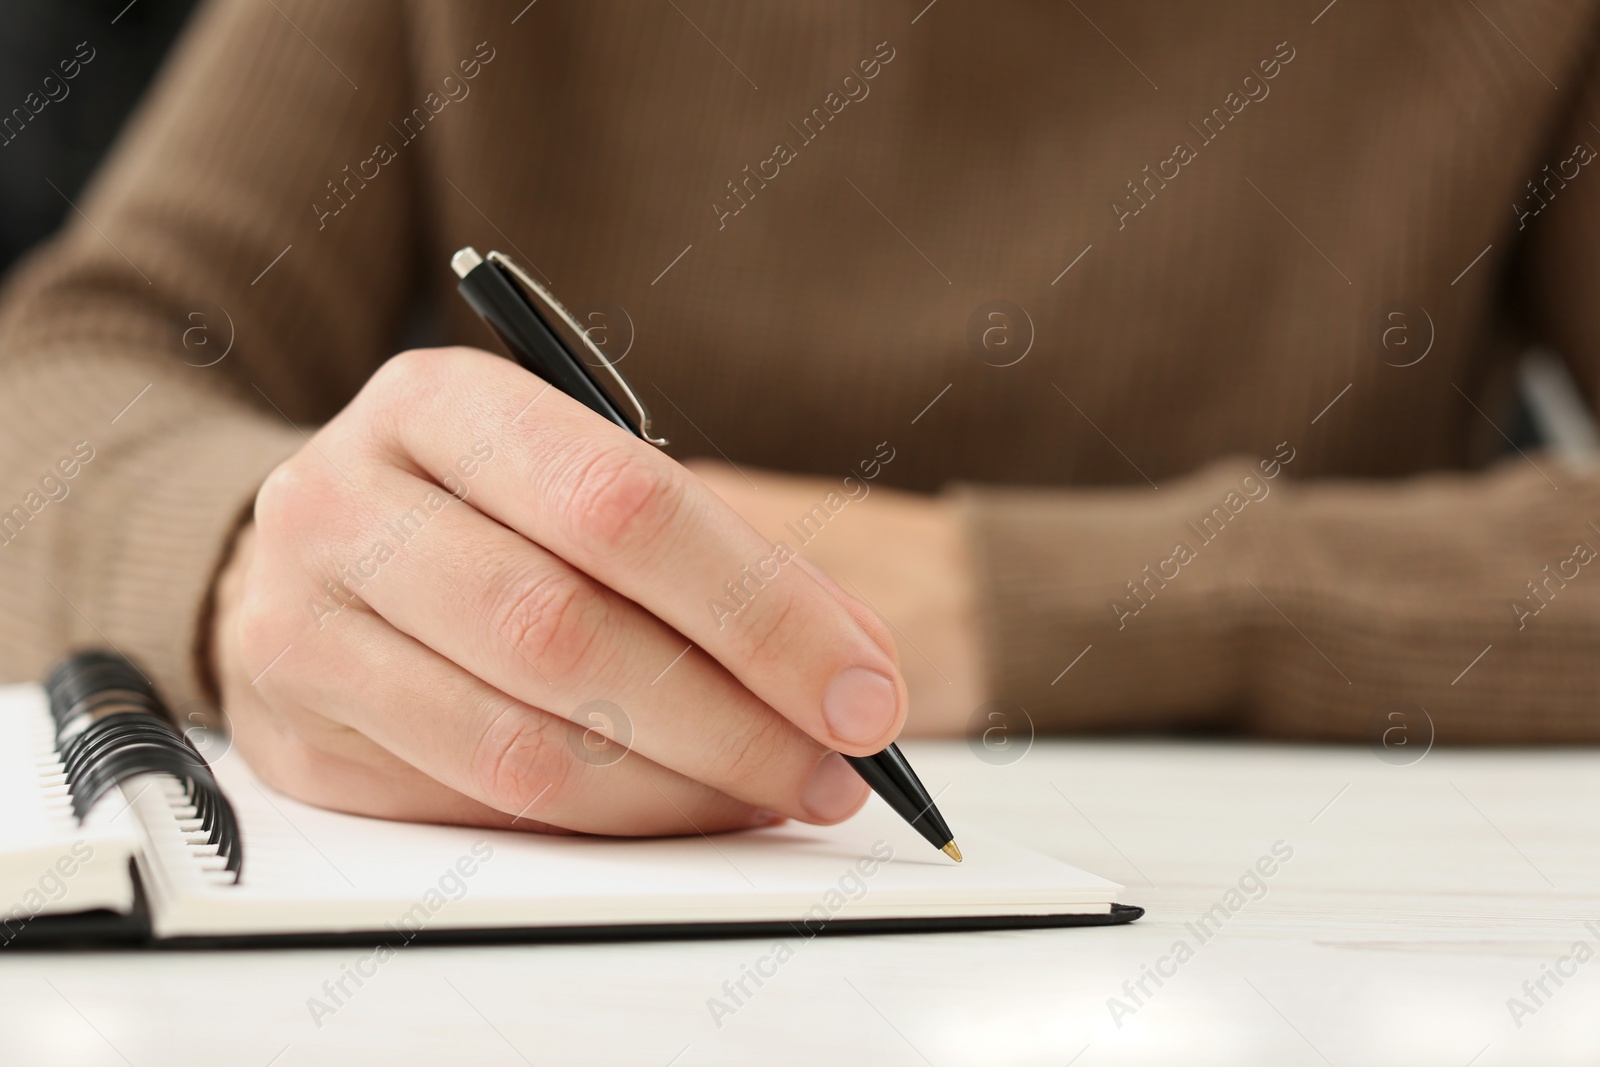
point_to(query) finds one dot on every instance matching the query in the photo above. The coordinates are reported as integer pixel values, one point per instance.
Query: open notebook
(310, 875)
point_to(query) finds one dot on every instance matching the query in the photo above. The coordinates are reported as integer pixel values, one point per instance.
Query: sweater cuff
(171, 519)
(1119, 609)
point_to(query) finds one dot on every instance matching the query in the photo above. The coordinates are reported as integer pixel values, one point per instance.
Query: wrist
(220, 606)
(950, 646)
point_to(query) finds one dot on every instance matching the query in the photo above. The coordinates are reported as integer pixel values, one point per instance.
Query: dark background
(64, 142)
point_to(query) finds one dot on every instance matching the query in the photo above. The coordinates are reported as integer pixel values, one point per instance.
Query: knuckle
(258, 627)
(748, 756)
(767, 639)
(554, 620)
(521, 756)
(404, 386)
(303, 496)
(877, 629)
(409, 372)
(617, 502)
(265, 653)
(286, 498)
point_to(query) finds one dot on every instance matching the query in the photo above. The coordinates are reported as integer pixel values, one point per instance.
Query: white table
(1418, 900)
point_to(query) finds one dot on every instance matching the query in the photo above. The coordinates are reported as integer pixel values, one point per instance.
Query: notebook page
(311, 870)
(48, 863)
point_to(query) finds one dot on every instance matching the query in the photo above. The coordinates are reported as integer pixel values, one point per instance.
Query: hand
(463, 560)
(905, 553)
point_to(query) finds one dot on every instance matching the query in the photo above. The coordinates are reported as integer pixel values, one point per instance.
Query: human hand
(905, 553)
(463, 559)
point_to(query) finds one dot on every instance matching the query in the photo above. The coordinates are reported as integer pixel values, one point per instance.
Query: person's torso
(1020, 245)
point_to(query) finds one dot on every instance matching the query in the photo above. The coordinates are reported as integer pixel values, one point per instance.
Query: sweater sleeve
(158, 356)
(1301, 610)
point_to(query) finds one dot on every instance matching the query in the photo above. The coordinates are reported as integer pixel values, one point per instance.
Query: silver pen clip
(546, 302)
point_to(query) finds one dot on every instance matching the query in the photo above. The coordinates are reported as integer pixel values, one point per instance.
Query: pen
(529, 322)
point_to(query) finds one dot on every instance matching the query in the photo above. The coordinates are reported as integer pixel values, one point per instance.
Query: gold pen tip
(952, 851)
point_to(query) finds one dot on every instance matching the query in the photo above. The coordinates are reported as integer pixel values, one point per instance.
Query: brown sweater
(1209, 469)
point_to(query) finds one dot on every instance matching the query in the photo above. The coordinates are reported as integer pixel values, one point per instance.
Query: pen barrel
(532, 342)
(892, 778)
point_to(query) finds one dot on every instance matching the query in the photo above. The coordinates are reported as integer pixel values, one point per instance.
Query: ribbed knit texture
(1192, 338)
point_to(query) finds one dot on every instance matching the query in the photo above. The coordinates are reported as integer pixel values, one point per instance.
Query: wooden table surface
(1418, 901)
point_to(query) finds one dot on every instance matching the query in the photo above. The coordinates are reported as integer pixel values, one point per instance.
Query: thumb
(865, 616)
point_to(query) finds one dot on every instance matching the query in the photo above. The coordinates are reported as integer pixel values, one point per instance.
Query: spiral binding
(111, 726)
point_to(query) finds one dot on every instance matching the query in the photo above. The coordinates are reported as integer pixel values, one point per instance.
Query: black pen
(529, 322)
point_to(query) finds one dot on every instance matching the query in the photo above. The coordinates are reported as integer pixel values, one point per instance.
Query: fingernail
(860, 705)
(762, 817)
(834, 790)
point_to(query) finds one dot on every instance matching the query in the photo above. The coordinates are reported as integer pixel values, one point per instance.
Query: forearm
(1302, 613)
(120, 553)
(149, 345)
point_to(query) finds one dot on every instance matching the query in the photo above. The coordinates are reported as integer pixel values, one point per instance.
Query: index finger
(637, 521)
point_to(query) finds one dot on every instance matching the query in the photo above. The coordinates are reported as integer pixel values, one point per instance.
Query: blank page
(49, 864)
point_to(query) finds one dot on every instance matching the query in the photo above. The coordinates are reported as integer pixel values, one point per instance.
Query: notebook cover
(106, 929)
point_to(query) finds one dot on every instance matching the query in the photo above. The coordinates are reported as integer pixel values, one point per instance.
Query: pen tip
(952, 851)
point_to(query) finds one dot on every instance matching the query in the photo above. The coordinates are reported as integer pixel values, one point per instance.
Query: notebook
(208, 854)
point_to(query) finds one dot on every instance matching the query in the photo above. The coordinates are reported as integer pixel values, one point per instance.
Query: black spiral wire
(111, 726)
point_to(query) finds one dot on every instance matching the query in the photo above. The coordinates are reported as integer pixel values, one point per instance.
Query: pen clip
(549, 302)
